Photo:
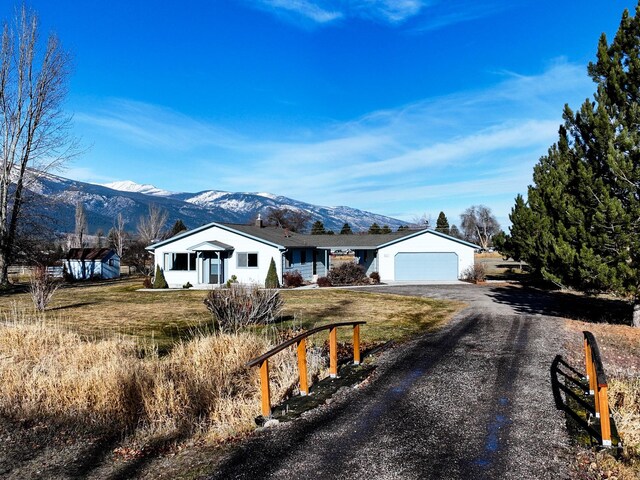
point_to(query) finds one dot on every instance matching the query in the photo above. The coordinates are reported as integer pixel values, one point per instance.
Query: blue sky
(401, 107)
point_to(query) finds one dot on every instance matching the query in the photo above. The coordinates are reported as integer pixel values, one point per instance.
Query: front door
(214, 271)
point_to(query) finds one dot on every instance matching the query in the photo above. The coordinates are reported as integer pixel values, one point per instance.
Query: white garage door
(426, 266)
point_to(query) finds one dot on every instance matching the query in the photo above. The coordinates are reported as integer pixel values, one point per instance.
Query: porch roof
(211, 246)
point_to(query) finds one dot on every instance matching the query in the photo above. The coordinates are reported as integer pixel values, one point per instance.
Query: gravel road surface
(472, 401)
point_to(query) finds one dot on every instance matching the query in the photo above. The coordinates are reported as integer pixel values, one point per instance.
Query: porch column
(219, 267)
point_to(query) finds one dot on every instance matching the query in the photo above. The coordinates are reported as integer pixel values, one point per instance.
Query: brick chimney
(259, 221)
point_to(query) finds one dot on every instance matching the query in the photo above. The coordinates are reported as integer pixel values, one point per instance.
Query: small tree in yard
(159, 281)
(42, 286)
(238, 307)
(272, 276)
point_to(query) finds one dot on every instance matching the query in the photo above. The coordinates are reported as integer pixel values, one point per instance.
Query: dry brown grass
(620, 349)
(202, 386)
(166, 316)
(388, 317)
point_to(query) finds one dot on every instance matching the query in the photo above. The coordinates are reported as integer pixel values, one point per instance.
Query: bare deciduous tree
(33, 127)
(150, 227)
(294, 220)
(79, 240)
(479, 225)
(42, 286)
(117, 235)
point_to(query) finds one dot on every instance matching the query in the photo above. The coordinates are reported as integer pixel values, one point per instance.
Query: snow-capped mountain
(56, 198)
(129, 186)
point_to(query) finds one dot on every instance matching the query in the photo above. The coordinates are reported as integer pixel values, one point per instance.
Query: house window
(303, 257)
(287, 259)
(180, 261)
(111, 263)
(247, 260)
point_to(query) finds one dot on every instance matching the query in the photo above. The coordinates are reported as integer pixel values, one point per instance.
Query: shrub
(187, 285)
(375, 277)
(42, 286)
(323, 282)
(231, 281)
(272, 276)
(476, 273)
(159, 281)
(292, 279)
(347, 274)
(147, 283)
(237, 307)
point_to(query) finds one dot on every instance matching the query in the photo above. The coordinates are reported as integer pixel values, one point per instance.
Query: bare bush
(323, 282)
(42, 286)
(476, 273)
(238, 307)
(292, 279)
(348, 273)
(375, 277)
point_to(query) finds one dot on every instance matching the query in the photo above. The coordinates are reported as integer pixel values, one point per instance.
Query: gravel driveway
(470, 402)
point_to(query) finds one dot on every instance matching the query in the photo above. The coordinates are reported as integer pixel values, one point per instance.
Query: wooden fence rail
(301, 342)
(597, 385)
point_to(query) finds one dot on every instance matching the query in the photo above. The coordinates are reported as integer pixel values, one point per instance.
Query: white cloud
(327, 11)
(453, 150)
(307, 9)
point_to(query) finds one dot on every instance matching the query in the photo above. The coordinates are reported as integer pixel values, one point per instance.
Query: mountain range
(55, 198)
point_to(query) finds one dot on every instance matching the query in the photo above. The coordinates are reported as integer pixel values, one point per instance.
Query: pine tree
(159, 281)
(374, 229)
(454, 232)
(318, 228)
(177, 228)
(442, 224)
(581, 224)
(346, 229)
(272, 276)
(385, 229)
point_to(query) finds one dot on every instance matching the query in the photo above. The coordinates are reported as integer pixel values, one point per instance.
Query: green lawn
(165, 316)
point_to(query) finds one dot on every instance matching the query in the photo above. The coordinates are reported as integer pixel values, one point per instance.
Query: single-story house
(213, 253)
(86, 263)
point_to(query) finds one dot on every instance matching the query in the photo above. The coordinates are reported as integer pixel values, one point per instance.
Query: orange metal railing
(597, 385)
(301, 342)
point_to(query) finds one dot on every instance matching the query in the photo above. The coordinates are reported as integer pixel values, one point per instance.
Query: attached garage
(424, 256)
(426, 266)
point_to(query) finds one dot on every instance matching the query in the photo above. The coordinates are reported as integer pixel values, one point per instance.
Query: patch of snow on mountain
(129, 186)
(206, 198)
(267, 195)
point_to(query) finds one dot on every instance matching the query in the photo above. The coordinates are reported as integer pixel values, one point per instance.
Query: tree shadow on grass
(533, 301)
(71, 305)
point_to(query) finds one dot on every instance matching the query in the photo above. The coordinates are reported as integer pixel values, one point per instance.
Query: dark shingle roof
(283, 237)
(89, 253)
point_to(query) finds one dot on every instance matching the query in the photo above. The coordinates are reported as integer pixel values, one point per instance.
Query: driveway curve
(471, 401)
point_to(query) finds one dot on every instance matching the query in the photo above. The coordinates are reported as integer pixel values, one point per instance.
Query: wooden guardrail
(597, 385)
(301, 342)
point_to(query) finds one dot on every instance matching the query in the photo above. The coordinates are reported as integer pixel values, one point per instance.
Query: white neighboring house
(213, 253)
(87, 263)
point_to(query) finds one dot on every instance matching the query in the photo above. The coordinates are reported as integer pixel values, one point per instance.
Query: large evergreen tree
(581, 224)
(318, 228)
(346, 229)
(442, 224)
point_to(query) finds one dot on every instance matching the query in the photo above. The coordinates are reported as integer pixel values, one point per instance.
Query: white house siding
(84, 269)
(422, 243)
(241, 244)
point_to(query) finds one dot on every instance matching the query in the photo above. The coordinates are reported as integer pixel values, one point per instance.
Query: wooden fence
(301, 342)
(597, 385)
